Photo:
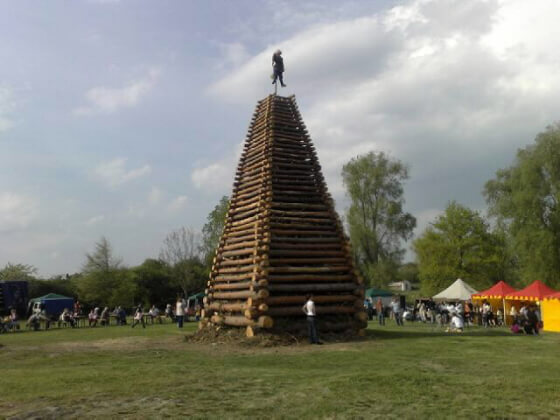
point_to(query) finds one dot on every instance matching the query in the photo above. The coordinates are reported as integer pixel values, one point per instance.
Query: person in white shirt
(309, 310)
(456, 324)
(179, 312)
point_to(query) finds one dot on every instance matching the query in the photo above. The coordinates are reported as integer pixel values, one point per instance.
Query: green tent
(50, 296)
(53, 303)
(196, 297)
(372, 292)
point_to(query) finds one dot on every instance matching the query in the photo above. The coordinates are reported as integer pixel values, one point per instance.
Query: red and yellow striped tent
(534, 293)
(496, 297)
(550, 311)
(498, 291)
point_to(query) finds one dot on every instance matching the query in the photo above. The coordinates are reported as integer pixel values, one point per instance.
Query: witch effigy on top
(282, 239)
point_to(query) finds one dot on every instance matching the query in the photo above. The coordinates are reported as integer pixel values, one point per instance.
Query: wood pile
(282, 237)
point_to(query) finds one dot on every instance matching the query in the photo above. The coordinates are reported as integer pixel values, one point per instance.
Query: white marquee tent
(459, 290)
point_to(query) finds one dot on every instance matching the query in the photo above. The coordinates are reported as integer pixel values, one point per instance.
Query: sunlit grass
(413, 371)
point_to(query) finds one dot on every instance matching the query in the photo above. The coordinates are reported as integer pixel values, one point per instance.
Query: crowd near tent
(550, 312)
(496, 297)
(534, 293)
(459, 290)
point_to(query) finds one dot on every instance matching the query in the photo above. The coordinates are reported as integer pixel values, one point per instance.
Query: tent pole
(505, 317)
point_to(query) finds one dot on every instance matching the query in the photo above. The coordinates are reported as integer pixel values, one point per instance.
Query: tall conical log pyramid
(282, 237)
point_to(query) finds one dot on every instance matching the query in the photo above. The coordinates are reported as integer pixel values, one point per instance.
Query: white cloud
(233, 54)
(154, 197)
(7, 107)
(95, 220)
(108, 100)
(451, 88)
(114, 173)
(177, 203)
(217, 176)
(16, 211)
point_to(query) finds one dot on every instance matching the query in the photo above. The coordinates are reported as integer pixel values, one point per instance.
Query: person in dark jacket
(532, 323)
(278, 67)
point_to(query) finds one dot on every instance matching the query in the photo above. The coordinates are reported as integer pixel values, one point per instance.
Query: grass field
(412, 371)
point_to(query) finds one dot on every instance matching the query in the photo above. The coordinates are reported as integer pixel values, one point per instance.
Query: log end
(249, 332)
(361, 316)
(265, 321)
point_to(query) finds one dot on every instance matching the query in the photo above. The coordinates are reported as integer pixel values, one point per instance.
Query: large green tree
(376, 219)
(154, 280)
(212, 231)
(104, 281)
(525, 198)
(459, 244)
(181, 251)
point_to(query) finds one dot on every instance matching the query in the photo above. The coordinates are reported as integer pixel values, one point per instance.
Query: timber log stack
(282, 237)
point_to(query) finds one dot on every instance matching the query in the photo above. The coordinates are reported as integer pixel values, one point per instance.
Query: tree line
(518, 241)
(182, 268)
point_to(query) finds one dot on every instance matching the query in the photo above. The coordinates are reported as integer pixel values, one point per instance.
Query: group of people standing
(379, 310)
(527, 320)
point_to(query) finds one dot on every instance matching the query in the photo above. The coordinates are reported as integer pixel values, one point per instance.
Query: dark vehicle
(13, 294)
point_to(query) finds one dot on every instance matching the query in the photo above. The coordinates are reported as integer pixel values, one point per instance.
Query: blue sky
(125, 118)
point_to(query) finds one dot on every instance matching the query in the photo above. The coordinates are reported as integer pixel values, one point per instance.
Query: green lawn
(412, 371)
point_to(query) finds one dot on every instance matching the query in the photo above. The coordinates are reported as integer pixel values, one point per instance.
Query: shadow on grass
(387, 334)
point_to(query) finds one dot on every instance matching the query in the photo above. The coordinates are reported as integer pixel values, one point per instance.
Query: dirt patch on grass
(234, 340)
(147, 407)
(218, 341)
(237, 337)
(114, 344)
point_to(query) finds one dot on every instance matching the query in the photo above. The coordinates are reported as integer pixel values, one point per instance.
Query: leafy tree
(102, 260)
(212, 231)
(153, 279)
(525, 198)
(62, 285)
(408, 272)
(102, 272)
(14, 272)
(181, 251)
(376, 219)
(459, 244)
(124, 290)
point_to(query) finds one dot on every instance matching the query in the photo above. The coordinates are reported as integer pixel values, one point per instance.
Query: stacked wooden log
(282, 238)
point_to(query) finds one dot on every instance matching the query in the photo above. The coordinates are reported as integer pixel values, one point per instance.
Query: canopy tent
(496, 297)
(371, 293)
(550, 312)
(50, 296)
(196, 297)
(459, 290)
(535, 292)
(498, 291)
(54, 303)
(193, 300)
